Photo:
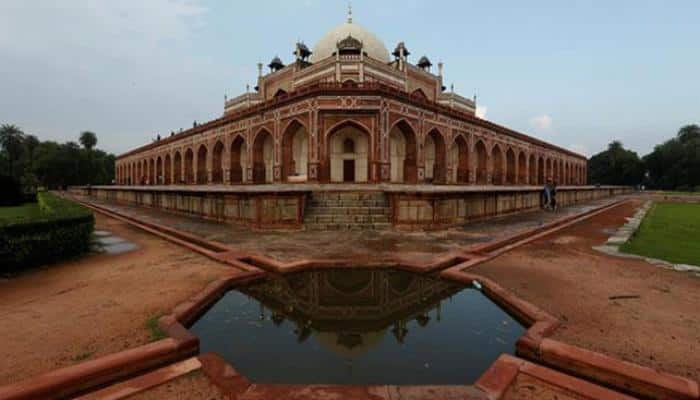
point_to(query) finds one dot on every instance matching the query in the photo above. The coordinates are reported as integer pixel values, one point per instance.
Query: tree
(30, 144)
(11, 139)
(689, 133)
(615, 166)
(88, 140)
(675, 164)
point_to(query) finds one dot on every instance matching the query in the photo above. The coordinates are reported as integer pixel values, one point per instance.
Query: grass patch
(50, 230)
(18, 214)
(670, 232)
(154, 328)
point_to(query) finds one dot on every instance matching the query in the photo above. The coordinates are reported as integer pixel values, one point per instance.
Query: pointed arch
(548, 169)
(202, 154)
(238, 160)
(460, 159)
(159, 171)
(497, 175)
(481, 163)
(555, 170)
(510, 167)
(217, 166)
(263, 157)
(295, 151)
(151, 171)
(177, 168)
(419, 94)
(189, 166)
(167, 179)
(403, 153)
(522, 168)
(343, 165)
(540, 171)
(435, 157)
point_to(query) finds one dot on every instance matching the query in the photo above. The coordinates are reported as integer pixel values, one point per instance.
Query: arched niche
(403, 154)
(295, 153)
(263, 157)
(481, 163)
(459, 157)
(435, 156)
(348, 152)
(217, 166)
(238, 160)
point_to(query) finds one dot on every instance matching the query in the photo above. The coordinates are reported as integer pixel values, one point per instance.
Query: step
(349, 203)
(348, 196)
(347, 219)
(346, 227)
(348, 211)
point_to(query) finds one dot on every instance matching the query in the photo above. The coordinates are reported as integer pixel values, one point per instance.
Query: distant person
(553, 196)
(546, 197)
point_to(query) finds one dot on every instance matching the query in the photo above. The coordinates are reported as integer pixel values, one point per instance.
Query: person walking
(546, 197)
(553, 196)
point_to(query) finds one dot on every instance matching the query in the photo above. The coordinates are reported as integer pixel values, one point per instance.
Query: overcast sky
(576, 73)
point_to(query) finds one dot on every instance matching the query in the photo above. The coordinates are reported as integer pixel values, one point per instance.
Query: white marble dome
(370, 43)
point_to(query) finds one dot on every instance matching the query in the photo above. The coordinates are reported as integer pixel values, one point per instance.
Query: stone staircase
(347, 211)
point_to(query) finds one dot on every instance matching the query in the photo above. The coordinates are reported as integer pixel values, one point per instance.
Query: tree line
(672, 165)
(51, 164)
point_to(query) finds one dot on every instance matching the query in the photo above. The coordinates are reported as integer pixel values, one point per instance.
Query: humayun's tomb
(348, 124)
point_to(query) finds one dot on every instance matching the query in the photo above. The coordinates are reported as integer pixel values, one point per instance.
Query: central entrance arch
(402, 152)
(295, 153)
(348, 152)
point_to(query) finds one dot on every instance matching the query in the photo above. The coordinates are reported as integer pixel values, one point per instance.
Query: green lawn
(671, 232)
(26, 211)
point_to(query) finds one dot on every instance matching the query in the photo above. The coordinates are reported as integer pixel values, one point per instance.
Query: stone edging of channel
(625, 233)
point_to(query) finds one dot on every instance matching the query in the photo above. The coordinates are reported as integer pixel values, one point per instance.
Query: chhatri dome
(371, 44)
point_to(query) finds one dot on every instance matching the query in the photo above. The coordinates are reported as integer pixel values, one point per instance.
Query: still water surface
(358, 326)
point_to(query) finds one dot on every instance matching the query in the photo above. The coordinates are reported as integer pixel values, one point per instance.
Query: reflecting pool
(358, 326)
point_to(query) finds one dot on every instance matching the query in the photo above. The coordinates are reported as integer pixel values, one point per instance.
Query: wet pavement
(377, 246)
(107, 242)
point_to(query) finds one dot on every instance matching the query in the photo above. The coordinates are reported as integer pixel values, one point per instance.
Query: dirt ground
(566, 277)
(95, 305)
(192, 386)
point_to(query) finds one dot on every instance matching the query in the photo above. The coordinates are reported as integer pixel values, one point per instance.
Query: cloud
(541, 122)
(481, 111)
(120, 68)
(579, 148)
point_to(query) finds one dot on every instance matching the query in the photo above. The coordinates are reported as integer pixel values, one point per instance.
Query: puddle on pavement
(357, 326)
(107, 242)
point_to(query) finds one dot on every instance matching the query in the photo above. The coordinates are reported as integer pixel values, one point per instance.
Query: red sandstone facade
(351, 115)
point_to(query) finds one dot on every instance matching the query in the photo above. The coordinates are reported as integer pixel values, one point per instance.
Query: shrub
(63, 230)
(11, 191)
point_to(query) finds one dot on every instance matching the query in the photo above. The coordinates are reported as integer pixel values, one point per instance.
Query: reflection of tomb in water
(349, 310)
(357, 326)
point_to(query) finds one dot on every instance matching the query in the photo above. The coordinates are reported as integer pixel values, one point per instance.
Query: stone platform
(344, 207)
(376, 246)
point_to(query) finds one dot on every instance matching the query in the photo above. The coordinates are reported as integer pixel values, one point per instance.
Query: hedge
(64, 230)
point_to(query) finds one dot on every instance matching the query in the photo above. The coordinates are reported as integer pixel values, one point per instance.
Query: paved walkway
(356, 245)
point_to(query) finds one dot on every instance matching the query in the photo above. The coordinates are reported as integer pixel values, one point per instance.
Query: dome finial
(349, 13)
